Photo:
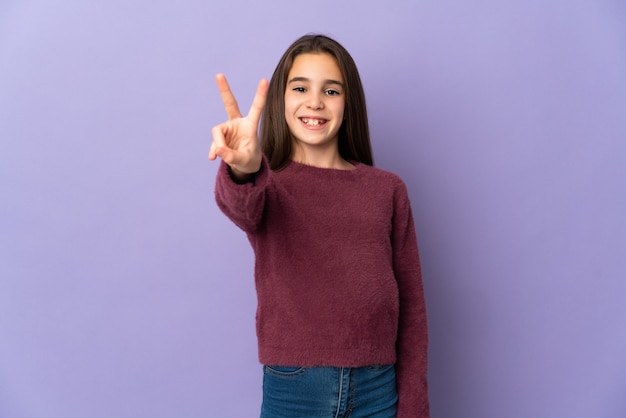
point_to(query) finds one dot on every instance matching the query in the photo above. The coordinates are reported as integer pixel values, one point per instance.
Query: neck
(320, 157)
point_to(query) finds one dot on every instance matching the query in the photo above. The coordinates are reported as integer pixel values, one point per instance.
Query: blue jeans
(329, 392)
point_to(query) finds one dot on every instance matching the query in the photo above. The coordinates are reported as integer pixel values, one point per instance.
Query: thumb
(228, 155)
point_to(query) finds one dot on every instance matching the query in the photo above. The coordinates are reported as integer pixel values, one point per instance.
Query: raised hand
(236, 141)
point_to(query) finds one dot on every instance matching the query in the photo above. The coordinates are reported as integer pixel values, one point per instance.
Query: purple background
(125, 293)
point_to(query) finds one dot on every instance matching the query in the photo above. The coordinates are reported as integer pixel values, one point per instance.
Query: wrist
(239, 176)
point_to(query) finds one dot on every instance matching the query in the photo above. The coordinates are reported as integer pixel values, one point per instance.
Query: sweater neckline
(301, 166)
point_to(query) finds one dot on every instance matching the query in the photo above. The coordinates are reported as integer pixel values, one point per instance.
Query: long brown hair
(354, 137)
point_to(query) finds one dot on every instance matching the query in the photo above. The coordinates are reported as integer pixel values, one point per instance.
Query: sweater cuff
(257, 179)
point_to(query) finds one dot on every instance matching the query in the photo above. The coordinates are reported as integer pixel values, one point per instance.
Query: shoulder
(382, 176)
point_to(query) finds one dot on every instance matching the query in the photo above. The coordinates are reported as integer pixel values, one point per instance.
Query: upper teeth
(312, 122)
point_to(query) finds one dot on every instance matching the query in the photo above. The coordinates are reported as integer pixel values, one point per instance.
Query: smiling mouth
(313, 121)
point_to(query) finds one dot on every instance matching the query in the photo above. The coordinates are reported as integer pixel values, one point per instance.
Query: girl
(341, 318)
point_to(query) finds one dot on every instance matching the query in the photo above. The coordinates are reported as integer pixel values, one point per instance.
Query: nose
(315, 101)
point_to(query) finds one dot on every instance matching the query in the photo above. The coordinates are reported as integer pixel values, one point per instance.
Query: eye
(299, 89)
(331, 92)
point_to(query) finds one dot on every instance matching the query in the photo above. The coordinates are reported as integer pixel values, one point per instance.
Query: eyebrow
(306, 80)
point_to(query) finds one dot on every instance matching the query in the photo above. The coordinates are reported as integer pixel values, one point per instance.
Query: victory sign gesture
(236, 141)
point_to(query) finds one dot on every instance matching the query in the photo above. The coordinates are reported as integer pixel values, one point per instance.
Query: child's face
(314, 101)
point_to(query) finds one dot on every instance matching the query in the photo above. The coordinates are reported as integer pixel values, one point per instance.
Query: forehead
(315, 66)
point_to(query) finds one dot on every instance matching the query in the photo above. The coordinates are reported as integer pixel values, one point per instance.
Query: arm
(242, 202)
(412, 344)
(236, 142)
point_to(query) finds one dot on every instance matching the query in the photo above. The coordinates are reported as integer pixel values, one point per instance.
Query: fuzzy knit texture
(337, 271)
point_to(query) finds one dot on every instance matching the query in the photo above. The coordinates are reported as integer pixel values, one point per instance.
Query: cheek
(289, 106)
(290, 110)
(341, 111)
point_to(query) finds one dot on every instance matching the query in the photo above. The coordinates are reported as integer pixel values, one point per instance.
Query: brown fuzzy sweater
(337, 271)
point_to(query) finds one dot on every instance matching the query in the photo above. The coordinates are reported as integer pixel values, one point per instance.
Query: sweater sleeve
(412, 343)
(242, 203)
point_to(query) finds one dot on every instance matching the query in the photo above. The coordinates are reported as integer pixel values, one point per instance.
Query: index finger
(259, 101)
(230, 103)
